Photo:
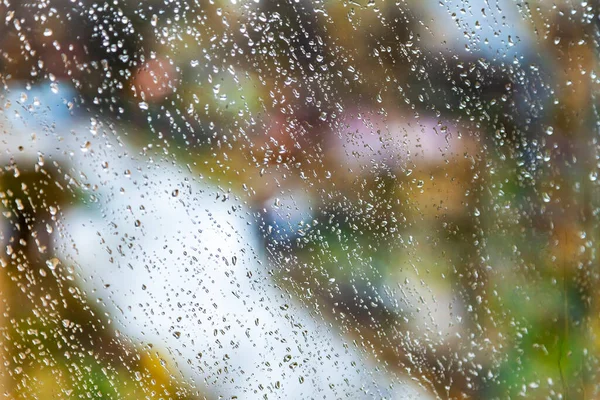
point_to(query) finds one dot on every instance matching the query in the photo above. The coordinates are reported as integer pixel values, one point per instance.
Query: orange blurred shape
(156, 79)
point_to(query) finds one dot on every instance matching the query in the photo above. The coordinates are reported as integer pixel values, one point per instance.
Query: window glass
(299, 199)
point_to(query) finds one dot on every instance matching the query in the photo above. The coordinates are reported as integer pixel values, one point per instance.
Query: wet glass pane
(293, 199)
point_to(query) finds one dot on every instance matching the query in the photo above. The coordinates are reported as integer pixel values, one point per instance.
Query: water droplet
(546, 197)
(52, 263)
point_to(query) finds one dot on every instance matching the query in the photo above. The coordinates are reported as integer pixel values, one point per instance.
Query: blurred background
(419, 176)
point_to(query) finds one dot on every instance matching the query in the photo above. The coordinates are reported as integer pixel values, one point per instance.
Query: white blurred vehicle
(180, 266)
